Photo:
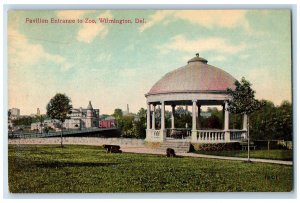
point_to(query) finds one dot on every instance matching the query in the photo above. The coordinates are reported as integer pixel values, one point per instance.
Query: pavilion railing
(210, 135)
(237, 135)
(178, 133)
(201, 136)
(154, 134)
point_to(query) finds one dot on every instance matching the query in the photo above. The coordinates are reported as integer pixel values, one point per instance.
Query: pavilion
(196, 84)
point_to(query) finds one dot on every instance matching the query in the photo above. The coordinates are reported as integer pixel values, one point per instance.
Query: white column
(162, 115)
(194, 115)
(226, 117)
(173, 117)
(148, 116)
(153, 117)
(194, 128)
(226, 122)
(245, 122)
(245, 126)
(199, 116)
(163, 132)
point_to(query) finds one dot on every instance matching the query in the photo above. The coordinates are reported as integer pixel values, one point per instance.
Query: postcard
(114, 101)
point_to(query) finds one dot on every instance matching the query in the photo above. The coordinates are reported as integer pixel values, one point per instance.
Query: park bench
(245, 146)
(112, 148)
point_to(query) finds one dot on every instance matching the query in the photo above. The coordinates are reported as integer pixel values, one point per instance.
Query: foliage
(9, 114)
(24, 120)
(283, 121)
(267, 121)
(140, 124)
(272, 122)
(88, 169)
(27, 120)
(182, 117)
(142, 113)
(104, 116)
(235, 121)
(126, 124)
(212, 122)
(131, 125)
(118, 114)
(243, 98)
(59, 107)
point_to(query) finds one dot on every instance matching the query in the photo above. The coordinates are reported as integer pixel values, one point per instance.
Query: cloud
(219, 45)
(89, 31)
(205, 18)
(22, 53)
(157, 17)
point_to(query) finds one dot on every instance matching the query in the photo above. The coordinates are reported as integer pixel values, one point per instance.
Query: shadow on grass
(73, 164)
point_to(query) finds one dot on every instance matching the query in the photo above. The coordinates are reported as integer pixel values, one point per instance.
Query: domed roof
(196, 76)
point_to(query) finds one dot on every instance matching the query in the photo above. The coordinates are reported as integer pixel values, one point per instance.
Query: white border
(156, 4)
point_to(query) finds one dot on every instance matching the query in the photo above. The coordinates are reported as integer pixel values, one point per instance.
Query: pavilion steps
(178, 146)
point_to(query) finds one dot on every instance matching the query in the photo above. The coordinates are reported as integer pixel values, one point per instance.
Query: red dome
(196, 76)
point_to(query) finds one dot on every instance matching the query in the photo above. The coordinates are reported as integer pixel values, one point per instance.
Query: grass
(276, 154)
(49, 169)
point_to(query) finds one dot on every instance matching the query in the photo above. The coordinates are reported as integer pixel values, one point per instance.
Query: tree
(40, 119)
(118, 113)
(142, 113)
(262, 126)
(243, 102)
(25, 120)
(58, 108)
(9, 114)
(127, 125)
(183, 117)
(139, 123)
(212, 122)
(285, 110)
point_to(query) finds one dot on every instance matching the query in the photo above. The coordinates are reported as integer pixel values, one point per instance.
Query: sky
(113, 65)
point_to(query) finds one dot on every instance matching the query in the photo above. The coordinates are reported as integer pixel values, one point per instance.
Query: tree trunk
(248, 135)
(61, 138)
(268, 148)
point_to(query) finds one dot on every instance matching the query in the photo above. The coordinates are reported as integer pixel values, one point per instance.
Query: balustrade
(210, 135)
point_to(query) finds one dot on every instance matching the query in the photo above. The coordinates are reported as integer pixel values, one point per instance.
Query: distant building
(109, 122)
(14, 113)
(83, 118)
(52, 123)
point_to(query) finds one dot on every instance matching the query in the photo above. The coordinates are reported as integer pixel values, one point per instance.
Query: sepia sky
(113, 65)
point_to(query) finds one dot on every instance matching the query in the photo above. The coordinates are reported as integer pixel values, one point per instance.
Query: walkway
(145, 150)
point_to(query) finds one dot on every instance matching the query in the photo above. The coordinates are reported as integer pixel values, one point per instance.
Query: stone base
(155, 135)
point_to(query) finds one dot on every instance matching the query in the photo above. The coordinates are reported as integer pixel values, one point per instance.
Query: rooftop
(196, 76)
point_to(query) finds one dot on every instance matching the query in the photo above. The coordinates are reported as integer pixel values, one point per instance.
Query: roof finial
(197, 54)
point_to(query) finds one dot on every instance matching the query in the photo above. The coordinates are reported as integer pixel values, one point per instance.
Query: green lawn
(277, 154)
(48, 168)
